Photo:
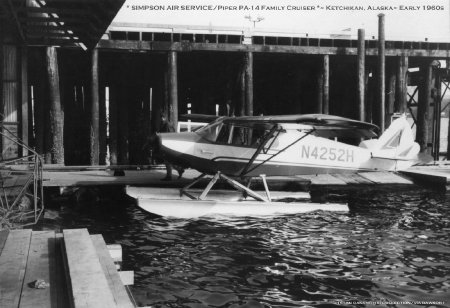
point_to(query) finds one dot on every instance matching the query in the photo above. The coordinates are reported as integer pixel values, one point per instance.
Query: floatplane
(238, 149)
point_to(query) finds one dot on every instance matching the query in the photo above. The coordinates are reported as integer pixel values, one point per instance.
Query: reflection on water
(389, 247)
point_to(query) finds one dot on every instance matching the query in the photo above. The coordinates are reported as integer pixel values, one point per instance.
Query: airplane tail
(397, 142)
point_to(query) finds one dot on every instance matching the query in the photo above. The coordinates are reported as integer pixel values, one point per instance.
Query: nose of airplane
(175, 146)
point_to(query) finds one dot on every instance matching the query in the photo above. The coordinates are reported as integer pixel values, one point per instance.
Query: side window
(224, 134)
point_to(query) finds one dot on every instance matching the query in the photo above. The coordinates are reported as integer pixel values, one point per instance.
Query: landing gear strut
(238, 186)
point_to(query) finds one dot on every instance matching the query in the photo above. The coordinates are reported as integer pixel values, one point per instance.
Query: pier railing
(21, 190)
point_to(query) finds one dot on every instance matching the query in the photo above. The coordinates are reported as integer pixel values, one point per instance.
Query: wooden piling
(326, 84)
(401, 100)
(319, 107)
(392, 75)
(95, 101)
(39, 112)
(437, 118)
(248, 83)
(423, 110)
(173, 89)
(24, 98)
(241, 110)
(381, 72)
(113, 123)
(361, 74)
(123, 130)
(56, 129)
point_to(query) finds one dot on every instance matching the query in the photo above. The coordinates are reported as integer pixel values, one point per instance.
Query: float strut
(266, 188)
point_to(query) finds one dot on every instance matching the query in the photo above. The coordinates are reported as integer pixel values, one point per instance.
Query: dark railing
(21, 190)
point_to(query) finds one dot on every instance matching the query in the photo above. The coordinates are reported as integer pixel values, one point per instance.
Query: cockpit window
(222, 133)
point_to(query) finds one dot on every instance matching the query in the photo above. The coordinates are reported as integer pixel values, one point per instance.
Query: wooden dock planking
(109, 268)
(102, 178)
(40, 265)
(324, 180)
(88, 282)
(435, 175)
(3, 237)
(13, 262)
(386, 178)
(353, 179)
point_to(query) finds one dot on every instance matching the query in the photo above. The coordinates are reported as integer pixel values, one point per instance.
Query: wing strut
(247, 168)
(258, 150)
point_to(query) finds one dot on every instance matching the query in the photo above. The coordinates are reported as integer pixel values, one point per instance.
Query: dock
(68, 269)
(89, 176)
(437, 175)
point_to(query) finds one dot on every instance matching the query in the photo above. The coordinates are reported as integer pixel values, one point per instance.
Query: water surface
(391, 247)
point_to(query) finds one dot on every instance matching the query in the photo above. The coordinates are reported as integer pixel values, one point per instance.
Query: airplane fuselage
(293, 152)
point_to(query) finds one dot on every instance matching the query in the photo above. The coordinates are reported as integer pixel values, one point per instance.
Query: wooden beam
(13, 262)
(16, 20)
(40, 265)
(401, 92)
(172, 72)
(326, 84)
(248, 83)
(139, 46)
(89, 284)
(56, 111)
(381, 73)
(112, 276)
(361, 74)
(423, 109)
(95, 117)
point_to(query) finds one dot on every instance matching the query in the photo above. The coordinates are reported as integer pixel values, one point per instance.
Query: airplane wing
(326, 126)
(196, 117)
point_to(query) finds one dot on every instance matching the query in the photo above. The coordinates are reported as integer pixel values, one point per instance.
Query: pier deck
(437, 175)
(66, 177)
(75, 268)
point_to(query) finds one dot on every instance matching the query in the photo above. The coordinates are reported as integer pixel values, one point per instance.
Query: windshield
(211, 131)
(226, 133)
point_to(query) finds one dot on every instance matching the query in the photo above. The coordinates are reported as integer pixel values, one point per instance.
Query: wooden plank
(127, 277)
(323, 180)
(353, 179)
(115, 251)
(385, 178)
(89, 286)
(13, 263)
(40, 265)
(109, 268)
(3, 237)
(312, 50)
(61, 288)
